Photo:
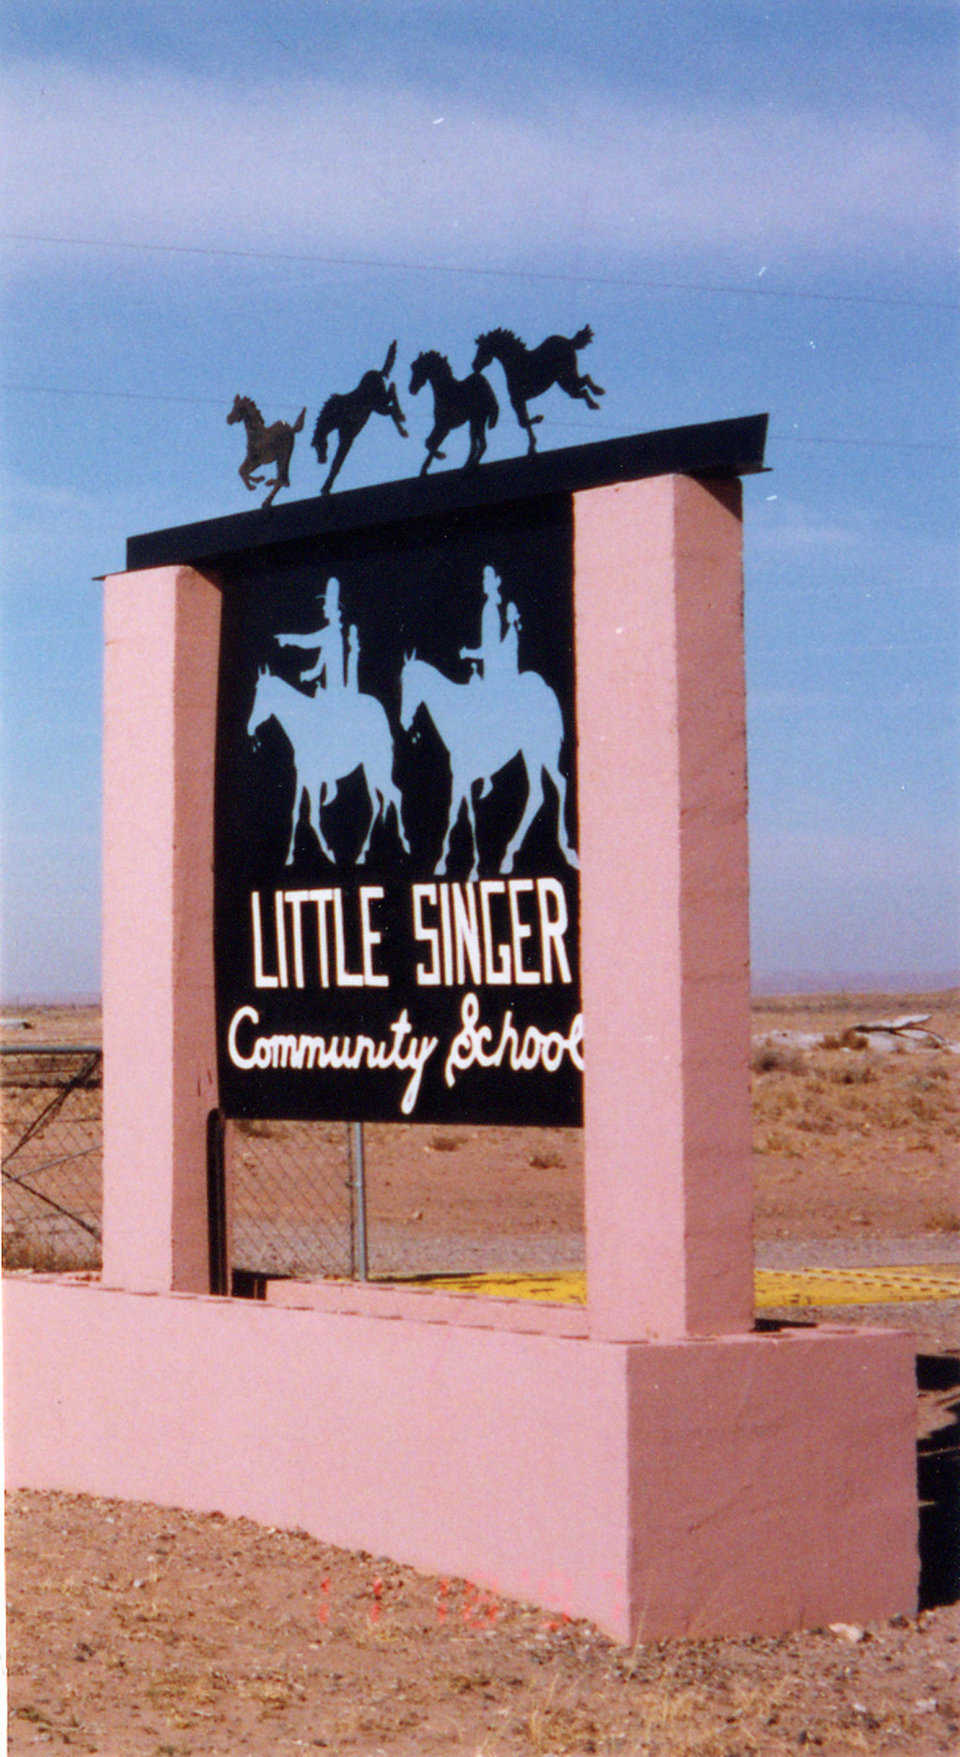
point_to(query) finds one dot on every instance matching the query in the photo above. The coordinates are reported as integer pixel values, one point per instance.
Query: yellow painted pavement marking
(854, 1287)
(774, 1288)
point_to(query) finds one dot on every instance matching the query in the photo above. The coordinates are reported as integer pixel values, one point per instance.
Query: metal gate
(52, 1151)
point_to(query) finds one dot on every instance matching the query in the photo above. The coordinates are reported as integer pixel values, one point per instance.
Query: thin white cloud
(43, 523)
(866, 547)
(326, 168)
(796, 534)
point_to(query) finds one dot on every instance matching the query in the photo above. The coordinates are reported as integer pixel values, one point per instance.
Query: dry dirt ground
(138, 1630)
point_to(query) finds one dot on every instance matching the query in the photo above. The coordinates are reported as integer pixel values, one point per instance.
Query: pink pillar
(664, 894)
(162, 633)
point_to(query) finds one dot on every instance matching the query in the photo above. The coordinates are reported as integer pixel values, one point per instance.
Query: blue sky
(754, 206)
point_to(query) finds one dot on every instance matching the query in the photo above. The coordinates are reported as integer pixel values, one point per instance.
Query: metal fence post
(359, 1192)
(217, 1202)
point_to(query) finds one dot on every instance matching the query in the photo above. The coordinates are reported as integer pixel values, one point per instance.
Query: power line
(142, 396)
(132, 396)
(709, 289)
(938, 445)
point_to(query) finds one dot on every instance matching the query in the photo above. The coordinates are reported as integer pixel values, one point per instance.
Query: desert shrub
(849, 1039)
(43, 1256)
(853, 1074)
(777, 1058)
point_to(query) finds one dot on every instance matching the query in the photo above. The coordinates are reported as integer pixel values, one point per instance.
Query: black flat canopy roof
(711, 449)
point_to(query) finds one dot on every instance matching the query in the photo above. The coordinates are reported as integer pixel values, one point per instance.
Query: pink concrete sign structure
(651, 1461)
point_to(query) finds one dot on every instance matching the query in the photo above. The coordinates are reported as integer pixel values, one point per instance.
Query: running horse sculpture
(265, 445)
(455, 400)
(348, 414)
(530, 372)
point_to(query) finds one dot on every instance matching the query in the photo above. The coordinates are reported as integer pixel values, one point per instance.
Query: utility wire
(486, 272)
(137, 396)
(132, 396)
(938, 445)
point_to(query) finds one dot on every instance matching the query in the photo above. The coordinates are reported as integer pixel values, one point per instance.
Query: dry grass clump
(47, 1256)
(557, 1726)
(666, 1717)
(858, 1140)
(912, 1099)
(849, 1039)
(26, 1253)
(778, 1058)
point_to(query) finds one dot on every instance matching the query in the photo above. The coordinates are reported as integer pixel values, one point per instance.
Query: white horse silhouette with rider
(500, 713)
(331, 733)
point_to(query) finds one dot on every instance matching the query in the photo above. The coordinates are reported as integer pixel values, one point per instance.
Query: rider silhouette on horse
(497, 658)
(329, 669)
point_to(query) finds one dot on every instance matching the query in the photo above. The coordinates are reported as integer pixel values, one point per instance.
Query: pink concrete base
(745, 1483)
(710, 1480)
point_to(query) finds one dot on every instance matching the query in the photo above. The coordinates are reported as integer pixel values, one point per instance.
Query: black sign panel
(396, 868)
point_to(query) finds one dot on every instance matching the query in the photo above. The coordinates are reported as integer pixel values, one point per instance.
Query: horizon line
(776, 985)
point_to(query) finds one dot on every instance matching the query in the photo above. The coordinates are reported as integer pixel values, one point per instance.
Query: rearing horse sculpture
(455, 400)
(529, 372)
(350, 411)
(265, 445)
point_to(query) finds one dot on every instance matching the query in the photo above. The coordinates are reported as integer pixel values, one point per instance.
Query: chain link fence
(292, 1205)
(307, 1200)
(402, 1200)
(52, 1138)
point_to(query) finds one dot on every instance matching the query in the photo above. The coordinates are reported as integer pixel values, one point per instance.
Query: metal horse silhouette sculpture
(349, 412)
(265, 445)
(483, 728)
(455, 400)
(530, 372)
(331, 736)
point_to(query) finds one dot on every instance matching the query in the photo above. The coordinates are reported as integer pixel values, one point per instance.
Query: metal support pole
(359, 1204)
(217, 1202)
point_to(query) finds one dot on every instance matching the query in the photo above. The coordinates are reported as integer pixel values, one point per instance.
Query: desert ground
(160, 1633)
